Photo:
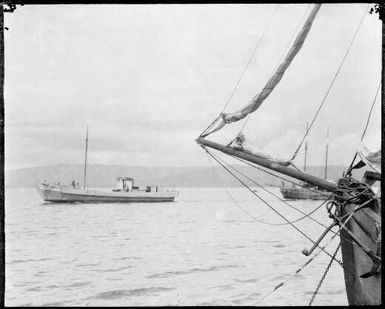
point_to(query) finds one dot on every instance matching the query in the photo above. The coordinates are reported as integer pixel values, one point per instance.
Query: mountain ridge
(100, 175)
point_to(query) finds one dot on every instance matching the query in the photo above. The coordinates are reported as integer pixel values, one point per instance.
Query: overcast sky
(147, 79)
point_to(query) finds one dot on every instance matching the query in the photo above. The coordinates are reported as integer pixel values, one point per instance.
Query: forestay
(226, 118)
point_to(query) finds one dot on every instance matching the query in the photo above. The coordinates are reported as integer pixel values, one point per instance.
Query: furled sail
(240, 143)
(370, 156)
(225, 118)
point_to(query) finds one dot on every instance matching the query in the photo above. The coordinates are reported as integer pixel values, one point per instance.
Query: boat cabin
(127, 184)
(124, 183)
(152, 189)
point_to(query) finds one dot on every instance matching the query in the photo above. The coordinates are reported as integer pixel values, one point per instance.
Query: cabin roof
(126, 178)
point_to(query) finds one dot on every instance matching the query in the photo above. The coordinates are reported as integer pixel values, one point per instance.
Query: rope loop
(332, 208)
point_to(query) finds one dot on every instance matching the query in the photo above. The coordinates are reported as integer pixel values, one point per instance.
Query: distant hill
(105, 175)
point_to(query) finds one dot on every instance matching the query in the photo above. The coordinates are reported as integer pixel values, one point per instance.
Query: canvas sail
(240, 143)
(226, 118)
(370, 156)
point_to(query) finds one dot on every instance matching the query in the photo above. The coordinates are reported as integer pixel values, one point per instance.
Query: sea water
(207, 248)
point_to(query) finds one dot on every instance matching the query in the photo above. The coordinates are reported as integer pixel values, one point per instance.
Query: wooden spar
(319, 182)
(85, 162)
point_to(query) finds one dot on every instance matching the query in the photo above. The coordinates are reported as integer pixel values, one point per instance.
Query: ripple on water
(77, 284)
(28, 260)
(129, 258)
(190, 271)
(279, 246)
(116, 294)
(214, 260)
(55, 286)
(225, 287)
(109, 270)
(252, 280)
(87, 265)
(246, 299)
(54, 304)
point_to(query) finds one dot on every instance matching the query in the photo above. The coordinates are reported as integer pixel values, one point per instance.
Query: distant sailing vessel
(355, 205)
(124, 192)
(304, 191)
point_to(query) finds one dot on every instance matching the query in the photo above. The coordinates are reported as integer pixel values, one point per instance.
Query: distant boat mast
(85, 162)
(326, 152)
(304, 164)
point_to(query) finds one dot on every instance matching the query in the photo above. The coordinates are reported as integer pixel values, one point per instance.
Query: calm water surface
(200, 250)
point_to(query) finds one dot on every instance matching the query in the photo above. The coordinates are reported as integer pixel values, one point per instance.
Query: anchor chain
(324, 276)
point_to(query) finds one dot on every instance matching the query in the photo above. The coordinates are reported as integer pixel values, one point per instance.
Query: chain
(324, 275)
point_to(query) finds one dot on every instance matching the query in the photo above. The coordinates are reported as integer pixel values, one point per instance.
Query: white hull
(68, 194)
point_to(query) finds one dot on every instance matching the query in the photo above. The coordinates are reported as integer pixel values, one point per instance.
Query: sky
(148, 79)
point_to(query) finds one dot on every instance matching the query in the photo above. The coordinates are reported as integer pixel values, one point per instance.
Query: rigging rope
(314, 256)
(366, 127)
(330, 86)
(294, 275)
(346, 190)
(272, 208)
(342, 189)
(366, 188)
(261, 221)
(270, 173)
(275, 175)
(341, 223)
(306, 215)
(279, 62)
(231, 197)
(324, 276)
(245, 69)
(251, 57)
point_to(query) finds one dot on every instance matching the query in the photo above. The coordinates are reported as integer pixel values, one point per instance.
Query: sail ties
(257, 100)
(240, 143)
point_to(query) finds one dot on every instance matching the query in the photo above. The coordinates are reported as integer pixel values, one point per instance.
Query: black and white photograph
(191, 154)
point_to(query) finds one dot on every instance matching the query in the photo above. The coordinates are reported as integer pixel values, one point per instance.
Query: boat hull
(366, 225)
(303, 194)
(67, 195)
